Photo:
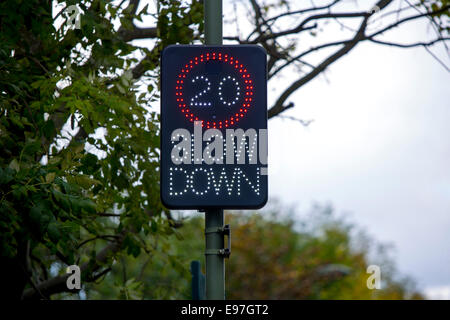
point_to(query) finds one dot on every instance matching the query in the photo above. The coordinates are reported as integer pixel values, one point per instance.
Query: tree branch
(273, 19)
(304, 123)
(409, 45)
(140, 69)
(441, 10)
(58, 284)
(104, 237)
(296, 58)
(437, 59)
(278, 106)
(300, 27)
(302, 11)
(133, 6)
(370, 37)
(348, 45)
(138, 33)
(172, 222)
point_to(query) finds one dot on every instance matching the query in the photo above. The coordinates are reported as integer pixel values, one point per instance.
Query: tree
(284, 27)
(79, 180)
(68, 193)
(319, 257)
(274, 256)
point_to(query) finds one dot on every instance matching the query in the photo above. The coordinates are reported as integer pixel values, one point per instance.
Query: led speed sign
(213, 127)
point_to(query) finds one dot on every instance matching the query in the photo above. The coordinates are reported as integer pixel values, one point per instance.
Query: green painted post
(213, 21)
(215, 264)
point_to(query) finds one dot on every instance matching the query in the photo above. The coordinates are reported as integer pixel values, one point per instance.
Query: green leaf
(154, 226)
(53, 232)
(6, 175)
(54, 160)
(120, 88)
(83, 181)
(40, 216)
(88, 205)
(49, 129)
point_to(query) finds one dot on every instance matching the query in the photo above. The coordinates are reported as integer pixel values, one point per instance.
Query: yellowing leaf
(14, 165)
(50, 177)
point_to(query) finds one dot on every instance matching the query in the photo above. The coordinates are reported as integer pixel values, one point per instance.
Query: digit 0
(238, 89)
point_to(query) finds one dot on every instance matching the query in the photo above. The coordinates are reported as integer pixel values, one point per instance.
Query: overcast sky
(379, 148)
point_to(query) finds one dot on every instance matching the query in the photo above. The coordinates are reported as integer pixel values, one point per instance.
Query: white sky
(379, 147)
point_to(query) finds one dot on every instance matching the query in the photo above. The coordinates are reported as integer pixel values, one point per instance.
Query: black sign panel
(213, 127)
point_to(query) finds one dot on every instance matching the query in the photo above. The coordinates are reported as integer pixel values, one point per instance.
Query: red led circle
(225, 58)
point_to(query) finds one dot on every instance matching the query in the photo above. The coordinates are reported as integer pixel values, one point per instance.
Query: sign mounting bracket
(224, 231)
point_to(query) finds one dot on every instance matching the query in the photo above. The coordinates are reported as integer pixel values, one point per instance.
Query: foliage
(303, 39)
(318, 256)
(162, 273)
(78, 142)
(321, 257)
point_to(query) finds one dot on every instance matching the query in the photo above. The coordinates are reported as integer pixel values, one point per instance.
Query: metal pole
(213, 21)
(215, 264)
(214, 219)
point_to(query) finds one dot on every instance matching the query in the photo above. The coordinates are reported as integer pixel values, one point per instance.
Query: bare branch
(58, 284)
(109, 214)
(436, 58)
(172, 222)
(133, 5)
(399, 22)
(370, 37)
(99, 275)
(276, 110)
(301, 26)
(104, 237)
(409, 45)
(304, 123)
(347, 45)
(138, 33)
(278, 106)
(303, 11)
(296, 58)
(436, 28)
(271, 21)
(140, 69)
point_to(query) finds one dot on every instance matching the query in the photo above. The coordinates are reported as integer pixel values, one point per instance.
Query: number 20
(194, 100)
